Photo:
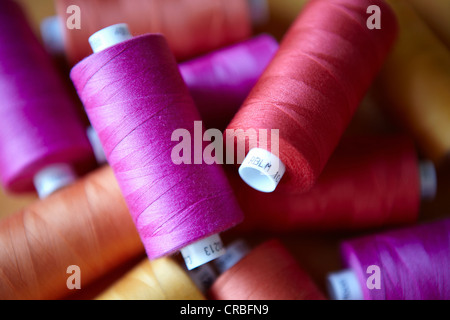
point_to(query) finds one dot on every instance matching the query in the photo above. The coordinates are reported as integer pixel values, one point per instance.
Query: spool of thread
(160, 279)
(136, 100)
(190, 27)
(268, 272)
(369, 182)
(309, 92)
(412, 264)
(220, 81)
(43, 144)
(87, 224)
(435, 14)
(413, 84)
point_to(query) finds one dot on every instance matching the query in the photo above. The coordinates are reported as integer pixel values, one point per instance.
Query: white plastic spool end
(259, 11)
(96, 144)
(53, 178)
(235, 252)
(203, 251)
(344, 285)
(52, 34)
(262, 170)
(109, 37)
(428, 180)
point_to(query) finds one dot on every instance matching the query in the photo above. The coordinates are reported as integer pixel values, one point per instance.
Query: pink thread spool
(135, 98)
(42, 138)
(413, 264)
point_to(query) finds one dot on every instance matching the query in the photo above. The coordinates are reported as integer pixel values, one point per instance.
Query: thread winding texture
(86, 224)
(268, 272)
(135, 98)
(40, 124)
(192, 27)
(309, 92)
(413, 262)
(369, 182)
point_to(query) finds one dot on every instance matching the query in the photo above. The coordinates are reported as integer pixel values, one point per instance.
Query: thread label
(203, 252)
(262, 170)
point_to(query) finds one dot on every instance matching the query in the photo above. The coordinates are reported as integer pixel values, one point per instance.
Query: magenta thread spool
(413, 264)
(135, 98)
(42, 138)
(220, 81)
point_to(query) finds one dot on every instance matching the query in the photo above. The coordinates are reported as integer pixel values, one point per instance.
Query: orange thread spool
(86, 224)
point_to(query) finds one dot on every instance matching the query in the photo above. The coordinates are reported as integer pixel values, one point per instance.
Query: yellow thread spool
(436, 13)
(161, 279)
(414, 83)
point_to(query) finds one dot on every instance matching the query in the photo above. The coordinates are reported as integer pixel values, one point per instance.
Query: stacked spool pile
(331, 206)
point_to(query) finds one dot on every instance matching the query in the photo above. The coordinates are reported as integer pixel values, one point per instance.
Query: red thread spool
(268, 272)
(369, 182)
(191, 27)
(312, 87)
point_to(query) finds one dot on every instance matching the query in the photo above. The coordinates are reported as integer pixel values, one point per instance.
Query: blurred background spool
(160, 279)
(311, 89)
(41, 129)
(369, 182)
(281, 15)
(136, 111)
(268, 272)
(413, 86)
(86, 224)
(412, 263)
(191, 27)
(220, 81)
(435, 13)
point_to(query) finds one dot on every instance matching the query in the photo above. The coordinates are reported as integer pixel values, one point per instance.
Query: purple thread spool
(413, 264)
(220, 81)
(42, 138)
(135, 98)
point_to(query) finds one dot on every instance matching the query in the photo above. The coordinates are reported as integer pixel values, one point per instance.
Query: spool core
(428, 180)
(206, 249)
(97, 147)
(344, 285)
(262, 170)
(52, 178)
(52, 34)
